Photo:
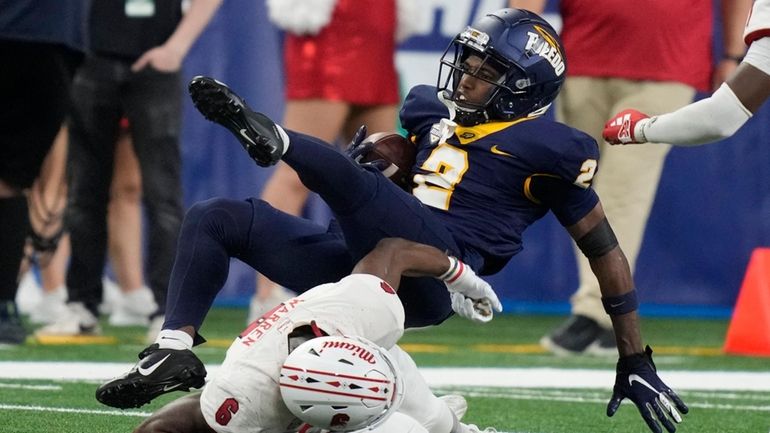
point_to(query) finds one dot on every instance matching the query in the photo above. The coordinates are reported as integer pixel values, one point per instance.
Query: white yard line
(442, 377)
(73, 410)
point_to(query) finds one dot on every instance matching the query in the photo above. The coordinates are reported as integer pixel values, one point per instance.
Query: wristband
(456, 268)
(621, 304)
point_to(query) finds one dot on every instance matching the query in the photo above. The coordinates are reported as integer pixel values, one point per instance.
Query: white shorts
(244, 396)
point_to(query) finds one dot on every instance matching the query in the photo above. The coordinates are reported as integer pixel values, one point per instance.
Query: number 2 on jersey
(447, 165)
(587, 171)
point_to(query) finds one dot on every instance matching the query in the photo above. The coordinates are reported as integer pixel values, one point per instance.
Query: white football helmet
(341, 383)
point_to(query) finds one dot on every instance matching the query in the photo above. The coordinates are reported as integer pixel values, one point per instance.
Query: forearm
(615, 281)
(191, 26)
(395, 257)
(707, 120)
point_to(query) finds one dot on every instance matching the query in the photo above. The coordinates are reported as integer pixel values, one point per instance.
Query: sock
(173, 339)
(284, 138)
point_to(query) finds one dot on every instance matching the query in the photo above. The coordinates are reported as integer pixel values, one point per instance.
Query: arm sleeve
(710, 119)
(707, 120)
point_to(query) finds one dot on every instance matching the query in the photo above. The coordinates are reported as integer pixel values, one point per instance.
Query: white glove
(472, 297)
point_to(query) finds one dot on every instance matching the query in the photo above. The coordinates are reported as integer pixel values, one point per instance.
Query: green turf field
(68, 406)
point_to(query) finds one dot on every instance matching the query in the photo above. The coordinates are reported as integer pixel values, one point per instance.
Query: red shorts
(350, 60)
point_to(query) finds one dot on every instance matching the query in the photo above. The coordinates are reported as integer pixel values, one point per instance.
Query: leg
(367, 205)
(431, 412)
(124, 221)
(277, 244)
(125, 216)
(180, 416)
(93, 130)
(280, 245)
(322, 119)
(419, 402)
(38, 72)
(48, 198)
(377, 118)
(153, 107)
(284, 191)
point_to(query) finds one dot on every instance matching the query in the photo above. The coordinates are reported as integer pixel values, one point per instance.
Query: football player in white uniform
(245, 396)
(718, 116)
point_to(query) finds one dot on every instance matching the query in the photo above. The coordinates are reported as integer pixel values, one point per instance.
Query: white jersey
(245, 397)
(758, 23)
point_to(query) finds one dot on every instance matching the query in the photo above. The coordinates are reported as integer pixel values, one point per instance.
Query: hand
(357, 150)
(479, 311)
(637, 380)
(472, 297)
(162, 58)
(625, 127)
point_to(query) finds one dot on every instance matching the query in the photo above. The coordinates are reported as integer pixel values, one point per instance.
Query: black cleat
(580, 335)
(158, 371)
(259, 135)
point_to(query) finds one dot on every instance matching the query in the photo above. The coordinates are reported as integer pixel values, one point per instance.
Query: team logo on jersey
(544, 45)
(467, 135)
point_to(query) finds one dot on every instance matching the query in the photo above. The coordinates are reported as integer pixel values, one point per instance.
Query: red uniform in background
(351, 59)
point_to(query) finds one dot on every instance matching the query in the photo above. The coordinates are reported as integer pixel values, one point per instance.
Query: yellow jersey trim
(469, 134)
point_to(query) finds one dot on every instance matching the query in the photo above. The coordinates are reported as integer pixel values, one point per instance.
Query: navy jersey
(489, 182)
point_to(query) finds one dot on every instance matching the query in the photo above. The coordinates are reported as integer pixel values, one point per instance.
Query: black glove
(357, 151)
(637, 380)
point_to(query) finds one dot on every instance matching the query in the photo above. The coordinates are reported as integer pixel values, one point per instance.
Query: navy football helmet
(527, 56)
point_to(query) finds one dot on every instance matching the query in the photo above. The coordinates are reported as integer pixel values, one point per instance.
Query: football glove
(472, 297)
(357, 150)
(626, 127)
(637, 380)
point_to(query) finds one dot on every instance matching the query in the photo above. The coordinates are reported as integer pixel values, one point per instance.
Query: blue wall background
(711, 210)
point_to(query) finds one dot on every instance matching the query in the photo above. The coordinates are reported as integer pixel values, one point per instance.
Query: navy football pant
(298, 253)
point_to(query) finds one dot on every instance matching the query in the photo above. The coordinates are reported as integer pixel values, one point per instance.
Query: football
(397, 151)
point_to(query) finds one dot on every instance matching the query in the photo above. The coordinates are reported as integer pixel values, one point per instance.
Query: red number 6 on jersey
(226, 411)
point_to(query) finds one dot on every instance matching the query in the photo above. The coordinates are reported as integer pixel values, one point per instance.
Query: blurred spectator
(340, 74)
(129, 302)
(716, 117)
(651, 56)
(132, 70)
(41, 43)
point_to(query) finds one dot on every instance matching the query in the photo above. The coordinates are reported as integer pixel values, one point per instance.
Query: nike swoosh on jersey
(497, 151)
(146, 371)
(244, 135)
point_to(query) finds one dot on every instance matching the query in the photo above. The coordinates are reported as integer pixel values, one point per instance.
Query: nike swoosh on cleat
(168, 388)
(149, 370)
(497, 151)
(244, 135)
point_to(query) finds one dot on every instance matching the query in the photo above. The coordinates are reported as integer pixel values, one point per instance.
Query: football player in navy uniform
(488, 165)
